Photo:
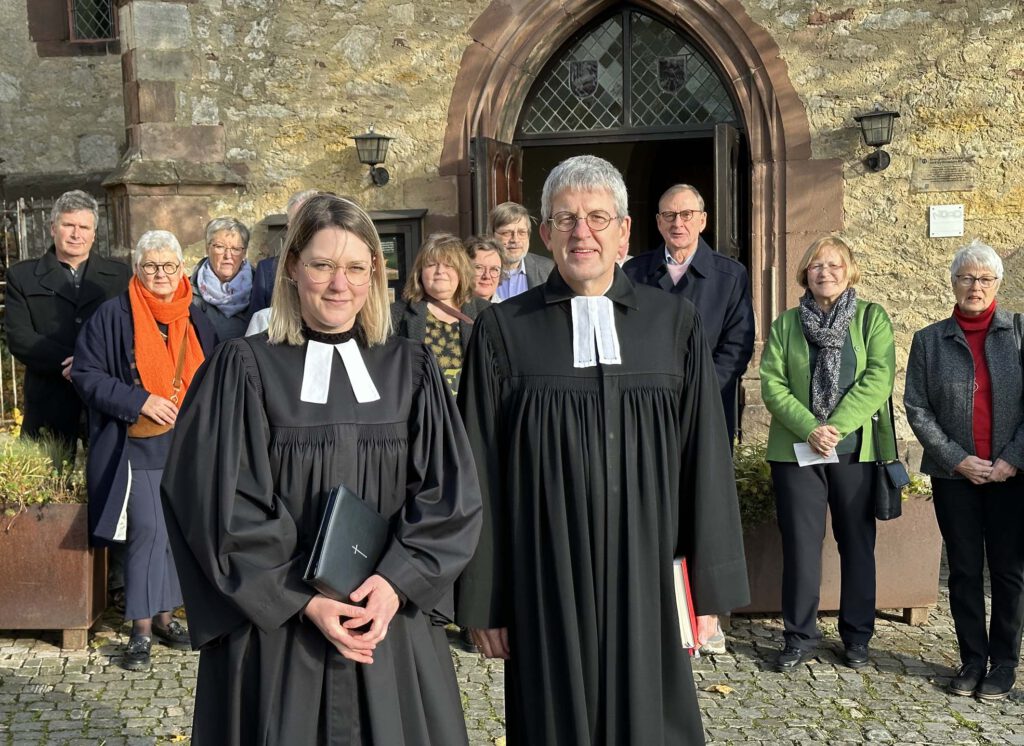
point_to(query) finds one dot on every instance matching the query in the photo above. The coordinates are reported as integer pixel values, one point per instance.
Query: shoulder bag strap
(449, 310)
(180, 366)
(875, 417)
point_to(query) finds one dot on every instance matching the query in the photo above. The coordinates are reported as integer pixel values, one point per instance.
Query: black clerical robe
(243, 489)
(593, 480)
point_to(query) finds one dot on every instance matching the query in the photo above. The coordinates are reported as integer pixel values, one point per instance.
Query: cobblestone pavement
(49, 696)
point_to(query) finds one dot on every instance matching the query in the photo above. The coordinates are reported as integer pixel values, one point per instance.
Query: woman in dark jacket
(438, 306)
(223, 279)
(133, 362)
(963, 400)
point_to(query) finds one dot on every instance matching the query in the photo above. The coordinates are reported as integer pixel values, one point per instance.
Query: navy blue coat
(263, 277)
(719, 287)
(103, 374)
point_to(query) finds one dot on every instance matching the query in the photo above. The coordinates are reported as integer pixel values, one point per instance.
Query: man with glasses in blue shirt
(510, 224)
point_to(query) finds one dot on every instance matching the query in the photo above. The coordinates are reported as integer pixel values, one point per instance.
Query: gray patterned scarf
(827, 331)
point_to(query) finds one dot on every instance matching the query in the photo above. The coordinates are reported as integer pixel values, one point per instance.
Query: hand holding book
(339, 621)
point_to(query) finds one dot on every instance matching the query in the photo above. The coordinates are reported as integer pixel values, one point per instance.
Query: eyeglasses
(169, 268)
(320, 271)
(232, 250)
(967, 281)
(819, 267)
(669, 216)
(507, 235)
(596, 221)
(482, 271)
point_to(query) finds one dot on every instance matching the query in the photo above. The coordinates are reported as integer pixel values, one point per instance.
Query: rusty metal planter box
(50, 578)
(907, 555)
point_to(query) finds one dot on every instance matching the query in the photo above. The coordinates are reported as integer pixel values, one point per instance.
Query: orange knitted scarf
(155, 358)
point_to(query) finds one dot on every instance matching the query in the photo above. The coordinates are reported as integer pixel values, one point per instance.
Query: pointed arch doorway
(791, 198)
(633, 90)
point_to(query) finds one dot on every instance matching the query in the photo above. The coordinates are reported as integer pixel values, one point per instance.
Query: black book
(348, 546)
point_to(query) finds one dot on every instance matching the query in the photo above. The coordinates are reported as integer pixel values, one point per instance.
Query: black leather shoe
(136, 655)
(856, 655)
(998, 683)
(792, 656)
(174, 635)
(466, 642)
(966, 681)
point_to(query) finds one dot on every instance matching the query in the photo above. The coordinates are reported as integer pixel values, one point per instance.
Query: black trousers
(802, 495)
(980, 522)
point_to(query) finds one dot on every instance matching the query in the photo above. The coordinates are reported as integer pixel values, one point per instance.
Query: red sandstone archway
(794, 198)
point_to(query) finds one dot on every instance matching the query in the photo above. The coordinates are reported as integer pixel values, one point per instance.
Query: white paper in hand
(807, 456)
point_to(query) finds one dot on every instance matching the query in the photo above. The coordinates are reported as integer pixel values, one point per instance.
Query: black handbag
(890, 476)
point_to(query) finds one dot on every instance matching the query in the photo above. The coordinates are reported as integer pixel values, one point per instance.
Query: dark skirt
(150, 580)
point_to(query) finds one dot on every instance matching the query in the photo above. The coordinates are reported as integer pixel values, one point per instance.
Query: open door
(496, 169)
(727, 203)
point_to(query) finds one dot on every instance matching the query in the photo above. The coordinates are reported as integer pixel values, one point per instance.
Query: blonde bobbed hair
(828, 242)
(319, 212)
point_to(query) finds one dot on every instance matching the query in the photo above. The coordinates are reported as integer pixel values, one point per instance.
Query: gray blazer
(939, 394)
(537, 269)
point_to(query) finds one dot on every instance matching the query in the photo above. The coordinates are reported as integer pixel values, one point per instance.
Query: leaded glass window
(669, 81)
(92, 20)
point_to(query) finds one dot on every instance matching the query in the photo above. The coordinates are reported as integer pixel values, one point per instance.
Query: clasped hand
(823, 439)
(339, 621)
(981, 471)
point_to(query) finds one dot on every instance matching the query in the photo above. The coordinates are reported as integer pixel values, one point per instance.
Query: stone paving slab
(49, 696)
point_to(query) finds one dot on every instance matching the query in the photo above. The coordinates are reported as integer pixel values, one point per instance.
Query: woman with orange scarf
(134, 360)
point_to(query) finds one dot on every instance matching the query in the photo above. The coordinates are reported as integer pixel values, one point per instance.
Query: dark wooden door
(727, 202)
(497, 173)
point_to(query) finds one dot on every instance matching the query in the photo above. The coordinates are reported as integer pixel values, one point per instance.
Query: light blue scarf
(230, 298)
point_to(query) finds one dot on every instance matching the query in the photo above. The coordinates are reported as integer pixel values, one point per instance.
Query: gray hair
(299, 197)
(673, 190)
(231, 225)
(156, 241)
(585, 173)
(74, 201)
(976, 254)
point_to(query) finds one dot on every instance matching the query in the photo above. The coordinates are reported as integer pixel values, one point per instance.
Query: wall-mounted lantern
(372, 148)
(876, 127)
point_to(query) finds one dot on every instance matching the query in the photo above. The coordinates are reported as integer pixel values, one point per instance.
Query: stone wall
(955, 72)
(58, 115)
(292, 82)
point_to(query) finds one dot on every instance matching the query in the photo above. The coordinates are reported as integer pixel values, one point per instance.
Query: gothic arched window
(629, 71)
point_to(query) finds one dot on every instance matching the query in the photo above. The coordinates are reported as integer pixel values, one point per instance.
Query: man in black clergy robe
(593, 409)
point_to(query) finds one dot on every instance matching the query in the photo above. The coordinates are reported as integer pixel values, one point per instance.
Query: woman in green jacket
(827, 367)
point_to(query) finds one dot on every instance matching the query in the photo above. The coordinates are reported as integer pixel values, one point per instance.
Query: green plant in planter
(36, 473)
(754, 483)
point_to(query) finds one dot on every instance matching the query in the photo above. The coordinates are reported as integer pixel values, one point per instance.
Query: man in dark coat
(593, 410)
(48, 300)
(685, 265)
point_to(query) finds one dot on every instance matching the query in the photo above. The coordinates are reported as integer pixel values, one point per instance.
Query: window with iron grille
(92, 20)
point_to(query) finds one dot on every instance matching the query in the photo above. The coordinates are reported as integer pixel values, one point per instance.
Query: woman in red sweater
(963, 400)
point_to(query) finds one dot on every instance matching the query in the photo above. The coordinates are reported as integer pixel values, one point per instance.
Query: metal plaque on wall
(947, 174)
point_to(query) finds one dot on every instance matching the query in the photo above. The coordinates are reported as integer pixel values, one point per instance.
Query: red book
(684, 605)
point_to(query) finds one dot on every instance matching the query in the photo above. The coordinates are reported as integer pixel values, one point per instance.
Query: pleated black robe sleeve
(440, 519)
(710, 532)
(483, 594)
(234, 541)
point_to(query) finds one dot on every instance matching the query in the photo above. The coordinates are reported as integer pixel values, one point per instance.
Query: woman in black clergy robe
(275, 421)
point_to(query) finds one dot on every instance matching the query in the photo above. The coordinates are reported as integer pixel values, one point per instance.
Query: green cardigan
(786, 384)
